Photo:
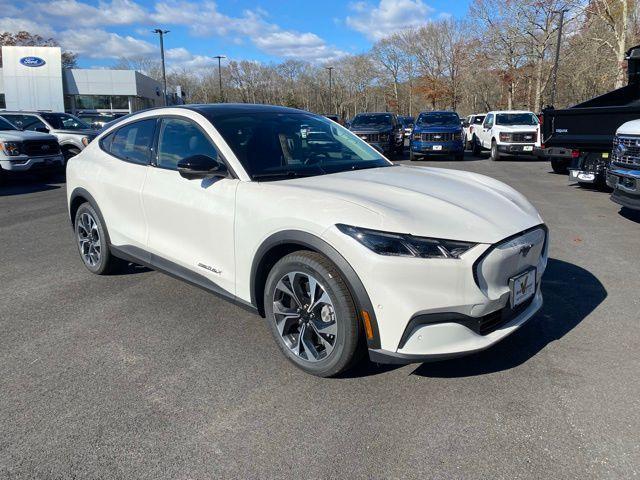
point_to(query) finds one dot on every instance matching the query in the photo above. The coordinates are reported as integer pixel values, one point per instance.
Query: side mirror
(42, 129)
(201, 166)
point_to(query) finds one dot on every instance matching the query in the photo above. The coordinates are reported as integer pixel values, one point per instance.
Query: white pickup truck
(22, 151)
(624, 173)
(508, 132)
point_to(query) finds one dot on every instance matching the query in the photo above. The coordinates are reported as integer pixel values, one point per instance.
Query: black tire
(413, 157)
(345, 350)
(458, 157)
(559, 165)
(495, 153)
(67, 153)
(106, 262)
(476, 149)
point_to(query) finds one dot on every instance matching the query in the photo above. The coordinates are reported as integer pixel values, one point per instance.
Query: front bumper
(626, 185)
(458, 293)
(437, 148)
(519, 149)
(23, 163)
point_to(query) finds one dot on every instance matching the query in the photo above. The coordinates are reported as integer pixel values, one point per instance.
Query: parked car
(382, 130)
(407, 124)
(22, 151)
(508, 132)
(579, 138)
(624, 173)
(337, 247)
(72, 133)
(98, 120)
(437, 133)
(471, 123)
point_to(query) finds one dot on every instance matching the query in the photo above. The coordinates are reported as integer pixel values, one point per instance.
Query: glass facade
(97, 102)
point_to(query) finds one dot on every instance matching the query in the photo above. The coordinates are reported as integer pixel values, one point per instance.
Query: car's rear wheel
(477, 149)
(311, 314)
(93, 242)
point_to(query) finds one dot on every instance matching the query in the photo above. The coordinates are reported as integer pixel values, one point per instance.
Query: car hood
(371, 128)
(84, 133)
(437, 128)
(629, 128)
(431, 202)
(518, 128)
(21, 135)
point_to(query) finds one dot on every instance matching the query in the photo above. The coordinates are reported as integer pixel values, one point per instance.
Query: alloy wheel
(305, 316)
(89, 241)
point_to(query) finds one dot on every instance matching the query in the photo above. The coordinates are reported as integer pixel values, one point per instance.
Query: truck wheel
(476, 148)
(67, 153)
(311, 314)
(495, 154)
(559, 165)
(458, 157)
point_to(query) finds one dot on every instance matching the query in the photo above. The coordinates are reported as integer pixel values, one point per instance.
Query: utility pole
(162, 33)
(330, 99)
(220, 57)
(555, 62)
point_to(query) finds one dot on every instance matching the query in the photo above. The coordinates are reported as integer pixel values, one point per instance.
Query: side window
(179, 139)
(488, 122)
(26, 122)
(133, 141)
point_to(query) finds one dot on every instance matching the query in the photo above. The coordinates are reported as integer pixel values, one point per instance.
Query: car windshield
(516, 119)
(64, 121)
(371, 120)
(5, 125)
(478, 119)
(438, 118)
(276, 146)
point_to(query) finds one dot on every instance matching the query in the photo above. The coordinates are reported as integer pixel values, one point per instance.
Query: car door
(120, 165)
(485, 131)
(190, 222)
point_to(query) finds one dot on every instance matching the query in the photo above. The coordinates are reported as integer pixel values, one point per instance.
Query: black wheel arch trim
(309, 241)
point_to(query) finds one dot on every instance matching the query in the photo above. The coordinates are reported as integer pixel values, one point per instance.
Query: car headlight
(86, 141)
(505, 137)
(11, 149)
(401, 245)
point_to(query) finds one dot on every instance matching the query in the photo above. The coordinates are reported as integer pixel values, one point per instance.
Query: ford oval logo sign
(32, 61)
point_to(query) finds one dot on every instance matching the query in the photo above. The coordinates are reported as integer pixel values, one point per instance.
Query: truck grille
(39, 148)
(437, 137)
(369, 137)
(524, 137)
(626, 151)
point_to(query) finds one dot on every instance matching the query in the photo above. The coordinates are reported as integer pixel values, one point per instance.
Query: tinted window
(372, 119)
(276, 146)
(133, 141)
(488, 122)
(438, 118)
(180, 139)
(4, 125)
(478, 119)
(64, 121)
(516, 119)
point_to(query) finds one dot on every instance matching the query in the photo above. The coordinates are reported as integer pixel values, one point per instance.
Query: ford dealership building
(32, 78)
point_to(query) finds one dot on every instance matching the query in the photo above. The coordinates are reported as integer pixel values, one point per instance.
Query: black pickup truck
(580, 138)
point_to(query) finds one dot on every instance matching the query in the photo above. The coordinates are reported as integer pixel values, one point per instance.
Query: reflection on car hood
(431, 202)
(21, 135)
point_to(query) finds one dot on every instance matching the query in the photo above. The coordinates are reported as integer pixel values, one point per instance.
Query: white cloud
(115, 12)
(181, 58)
(14, 25)
(94, 43)
(289, 44)
(387, 17)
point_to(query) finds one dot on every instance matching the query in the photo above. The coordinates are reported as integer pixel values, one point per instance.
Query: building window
(97, 102)
(2, 102)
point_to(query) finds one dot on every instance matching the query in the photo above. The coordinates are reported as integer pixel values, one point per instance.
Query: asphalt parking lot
(142, 376)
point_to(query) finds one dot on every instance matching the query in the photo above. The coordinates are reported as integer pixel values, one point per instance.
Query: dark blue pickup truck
(437, 133)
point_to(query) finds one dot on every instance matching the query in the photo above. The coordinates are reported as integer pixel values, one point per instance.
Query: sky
(101, 32)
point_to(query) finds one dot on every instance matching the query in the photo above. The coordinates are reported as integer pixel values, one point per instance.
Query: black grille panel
(492, 321)
(524, 137)
(40, 148)
(626, 151)
(437, 137)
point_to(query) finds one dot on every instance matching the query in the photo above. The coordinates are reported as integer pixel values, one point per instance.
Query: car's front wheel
(495, 153)
(311, 314)
(93, 243)
(476, 148)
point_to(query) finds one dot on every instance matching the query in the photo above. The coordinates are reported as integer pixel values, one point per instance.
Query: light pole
(555, 62)
(162, 33)
(330, 99)
(220, 57)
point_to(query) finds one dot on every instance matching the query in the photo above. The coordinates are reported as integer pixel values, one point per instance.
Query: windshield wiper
(282, 175)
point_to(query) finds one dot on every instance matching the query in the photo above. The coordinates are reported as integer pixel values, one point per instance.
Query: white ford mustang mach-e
(296, 218)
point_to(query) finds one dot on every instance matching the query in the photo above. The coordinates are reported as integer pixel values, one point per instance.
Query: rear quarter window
(131, 142)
